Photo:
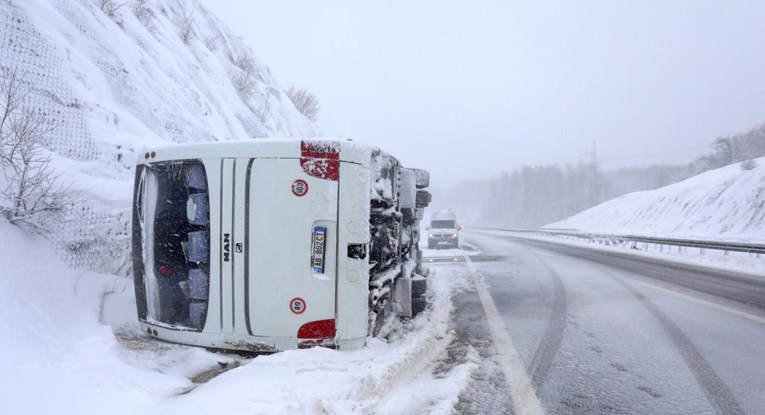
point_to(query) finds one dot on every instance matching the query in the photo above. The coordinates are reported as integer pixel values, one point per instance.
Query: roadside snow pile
(107, 79)
(725, 204)
(58, 358)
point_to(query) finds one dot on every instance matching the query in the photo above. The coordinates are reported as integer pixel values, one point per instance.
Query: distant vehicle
(443, 231)
(269, 245)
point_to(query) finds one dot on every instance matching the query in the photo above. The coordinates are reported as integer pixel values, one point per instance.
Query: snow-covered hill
(109, 82)
(724, 204)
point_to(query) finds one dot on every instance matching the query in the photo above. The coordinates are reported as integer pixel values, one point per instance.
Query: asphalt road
(576, 331)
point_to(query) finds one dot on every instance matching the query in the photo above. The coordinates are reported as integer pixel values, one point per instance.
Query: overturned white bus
(268, 245)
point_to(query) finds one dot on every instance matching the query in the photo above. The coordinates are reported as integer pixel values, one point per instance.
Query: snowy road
(585, 332)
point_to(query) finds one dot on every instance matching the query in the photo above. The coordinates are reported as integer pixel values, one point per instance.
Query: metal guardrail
(604, 239)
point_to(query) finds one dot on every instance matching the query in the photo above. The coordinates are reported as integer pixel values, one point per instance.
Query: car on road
(443, 231)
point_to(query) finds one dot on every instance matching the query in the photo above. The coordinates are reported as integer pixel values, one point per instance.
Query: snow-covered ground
(61, 356)
(727, 204)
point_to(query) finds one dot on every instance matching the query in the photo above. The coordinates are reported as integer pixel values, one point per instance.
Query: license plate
(317, 256)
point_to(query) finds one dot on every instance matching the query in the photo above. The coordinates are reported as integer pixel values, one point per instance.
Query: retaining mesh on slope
(107, 87)
(26, 51)
(90, 234)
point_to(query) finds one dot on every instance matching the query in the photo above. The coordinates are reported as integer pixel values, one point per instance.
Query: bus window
(176, 244)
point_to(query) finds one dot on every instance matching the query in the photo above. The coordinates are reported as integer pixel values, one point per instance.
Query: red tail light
(317, 333)
(320, 160)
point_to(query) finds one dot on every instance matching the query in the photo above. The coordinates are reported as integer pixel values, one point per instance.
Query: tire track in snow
(717, 392)
(541, 362)
(550, 343)
(522, 392)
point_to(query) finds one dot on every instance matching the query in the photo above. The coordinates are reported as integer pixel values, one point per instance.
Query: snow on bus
(269, 245)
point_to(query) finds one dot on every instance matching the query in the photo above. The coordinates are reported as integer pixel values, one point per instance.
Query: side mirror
(459, 228)
(427, 228)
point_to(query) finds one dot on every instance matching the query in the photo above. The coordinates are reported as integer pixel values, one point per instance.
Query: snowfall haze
(480, 87)
(472, 92)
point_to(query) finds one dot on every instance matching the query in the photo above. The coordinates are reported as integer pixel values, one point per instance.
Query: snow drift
(727, 204)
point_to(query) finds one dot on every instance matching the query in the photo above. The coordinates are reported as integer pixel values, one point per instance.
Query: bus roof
(344, 150)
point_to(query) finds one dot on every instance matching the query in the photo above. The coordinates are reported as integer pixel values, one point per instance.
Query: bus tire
(418, 305)
(419, 286)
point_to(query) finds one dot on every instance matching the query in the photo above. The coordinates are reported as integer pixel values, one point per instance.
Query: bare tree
(732, 149)
(266, 109)
(144, 13)
(211, 43)
(305, 102)
(111, 8)
(244, 76)
(30, 188)
(747, 165)
(186, 24)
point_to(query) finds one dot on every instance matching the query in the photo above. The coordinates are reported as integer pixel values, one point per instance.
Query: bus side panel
(353, 269)
(226, 240)
(241, 195)
(214, 322)
(286, 207)
(232, 239)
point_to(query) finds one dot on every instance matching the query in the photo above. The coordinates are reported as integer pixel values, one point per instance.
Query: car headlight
(430, 235)
(454, 235)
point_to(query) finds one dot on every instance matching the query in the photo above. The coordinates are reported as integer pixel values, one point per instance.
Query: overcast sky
(467, 89)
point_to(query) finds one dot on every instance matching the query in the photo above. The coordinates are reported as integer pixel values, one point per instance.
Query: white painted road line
(705, 302)
(522, 392)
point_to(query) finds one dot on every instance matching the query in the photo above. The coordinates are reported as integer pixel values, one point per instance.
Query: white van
(443, 231)
(268, 245)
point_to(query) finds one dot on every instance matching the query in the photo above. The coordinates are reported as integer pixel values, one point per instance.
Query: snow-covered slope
(110, 83)
(723, 204)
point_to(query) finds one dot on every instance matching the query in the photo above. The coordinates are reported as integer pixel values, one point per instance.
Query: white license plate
(318, 251)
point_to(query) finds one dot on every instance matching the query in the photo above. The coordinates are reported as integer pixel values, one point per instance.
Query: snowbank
(724, 204)
(57, 357)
